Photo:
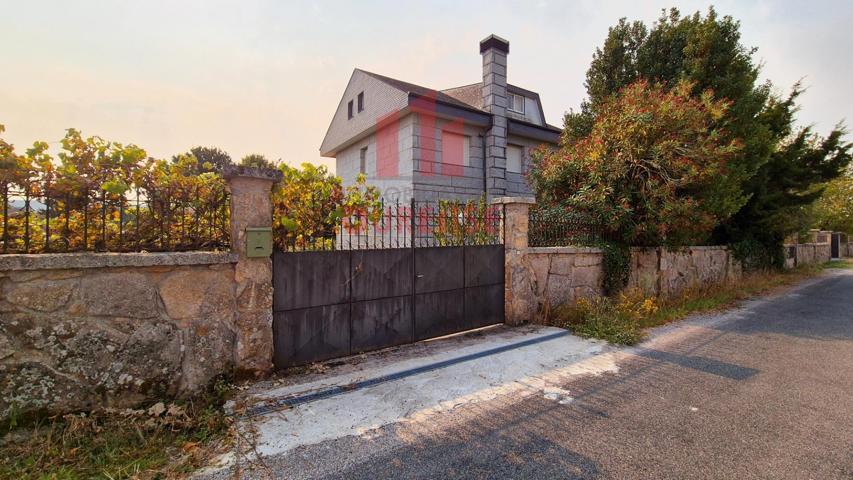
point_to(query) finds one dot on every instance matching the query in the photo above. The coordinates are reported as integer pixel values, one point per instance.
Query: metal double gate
(334, 303)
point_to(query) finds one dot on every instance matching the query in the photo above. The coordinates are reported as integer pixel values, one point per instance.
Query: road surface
(763, 391)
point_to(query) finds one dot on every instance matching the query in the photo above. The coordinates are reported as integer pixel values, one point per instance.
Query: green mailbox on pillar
(258, 241)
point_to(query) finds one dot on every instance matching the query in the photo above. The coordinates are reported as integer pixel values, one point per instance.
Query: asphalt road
(765, 391)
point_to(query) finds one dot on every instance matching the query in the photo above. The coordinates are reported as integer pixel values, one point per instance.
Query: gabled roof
(466, 96)
(461, 102)
(472, 95)
(421, 91)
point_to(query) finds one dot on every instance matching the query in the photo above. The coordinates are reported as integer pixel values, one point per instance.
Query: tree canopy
(779, 168)
(309, 204)
(648, 169)
(210, 159)
(834, 209)
(256, 160)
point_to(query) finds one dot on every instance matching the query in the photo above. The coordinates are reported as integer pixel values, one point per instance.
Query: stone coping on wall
(506, 200)
(567, 250)
(232, 171)
(598, 250)
(67, 261)
(683, 249)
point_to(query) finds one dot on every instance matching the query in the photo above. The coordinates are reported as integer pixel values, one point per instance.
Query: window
(349, 110)
(513, 158)
(515, 103)
(362, 161)
(360, 102)
(455, 151)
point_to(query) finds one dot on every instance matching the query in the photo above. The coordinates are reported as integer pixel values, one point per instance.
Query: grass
(623, 319)
(163, 441)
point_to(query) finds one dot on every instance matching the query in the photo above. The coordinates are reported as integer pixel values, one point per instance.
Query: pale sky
(266, 76)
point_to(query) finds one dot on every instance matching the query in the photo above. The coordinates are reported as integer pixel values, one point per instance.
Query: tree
(256, 160)
(310, 202)
(834, 209)
(648, 169)
(210, 159)
(706, 51)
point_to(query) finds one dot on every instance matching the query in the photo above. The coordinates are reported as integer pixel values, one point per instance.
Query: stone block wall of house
(516, 183)
(87, 330)
(395, 183)
(434, 178)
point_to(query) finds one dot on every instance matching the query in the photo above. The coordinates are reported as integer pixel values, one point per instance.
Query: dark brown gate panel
(439, 268)
(381, 323)
(310, 279)
(439, 313)
(484, 285)
(484, 306)
(334, 303)
(310, 334)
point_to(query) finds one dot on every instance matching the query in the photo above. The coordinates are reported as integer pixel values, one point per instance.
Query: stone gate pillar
(251, 207)
(519, 303)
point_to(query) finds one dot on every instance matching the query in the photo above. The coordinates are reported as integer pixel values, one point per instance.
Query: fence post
(251, 207)
(519, 301)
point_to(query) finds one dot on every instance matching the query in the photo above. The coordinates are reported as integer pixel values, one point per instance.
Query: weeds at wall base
(161, 441)
(623, 318)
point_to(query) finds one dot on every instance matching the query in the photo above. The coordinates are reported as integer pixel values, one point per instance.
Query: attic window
(349, 110)
(360, 102)
(515, 103)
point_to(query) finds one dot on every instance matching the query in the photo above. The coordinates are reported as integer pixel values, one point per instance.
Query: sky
(266, 76)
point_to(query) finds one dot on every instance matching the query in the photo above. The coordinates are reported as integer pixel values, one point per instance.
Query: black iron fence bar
(394, 225)
(48, 217)
(556, 229)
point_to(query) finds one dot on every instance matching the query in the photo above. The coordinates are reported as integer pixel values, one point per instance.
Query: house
(416, 142)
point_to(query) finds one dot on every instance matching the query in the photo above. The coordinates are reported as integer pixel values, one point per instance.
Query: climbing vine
(616, 264)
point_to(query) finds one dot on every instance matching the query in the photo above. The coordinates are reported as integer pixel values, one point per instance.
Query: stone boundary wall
(663, 272)
(808, 254)
(80, 331)
(85, 330)
(547, 277)
(537, 279)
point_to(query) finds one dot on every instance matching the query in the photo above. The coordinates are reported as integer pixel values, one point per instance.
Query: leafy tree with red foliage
(648, 168)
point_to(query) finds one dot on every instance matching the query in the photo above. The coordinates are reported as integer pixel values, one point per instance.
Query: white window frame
(511, 100)
(466, 146)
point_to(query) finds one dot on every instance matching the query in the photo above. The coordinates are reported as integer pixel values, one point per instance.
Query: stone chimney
(494, 50)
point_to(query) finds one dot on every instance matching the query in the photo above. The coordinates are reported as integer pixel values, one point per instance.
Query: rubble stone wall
(80, 331)
(807, 254)
(663, 272)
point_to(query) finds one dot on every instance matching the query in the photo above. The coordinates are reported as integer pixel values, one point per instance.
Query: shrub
(616, 319)
(648, 169)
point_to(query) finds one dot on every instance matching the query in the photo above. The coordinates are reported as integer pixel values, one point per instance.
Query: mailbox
(258, 242)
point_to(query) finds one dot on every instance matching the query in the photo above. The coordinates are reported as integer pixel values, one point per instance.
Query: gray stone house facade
(416, 142)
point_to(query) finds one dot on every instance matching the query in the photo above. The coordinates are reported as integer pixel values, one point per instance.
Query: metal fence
(552, 228)
(403, 225)
(42, 217)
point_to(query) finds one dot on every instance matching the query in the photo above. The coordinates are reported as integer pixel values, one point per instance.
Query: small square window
(349, 110)
(361, 102)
